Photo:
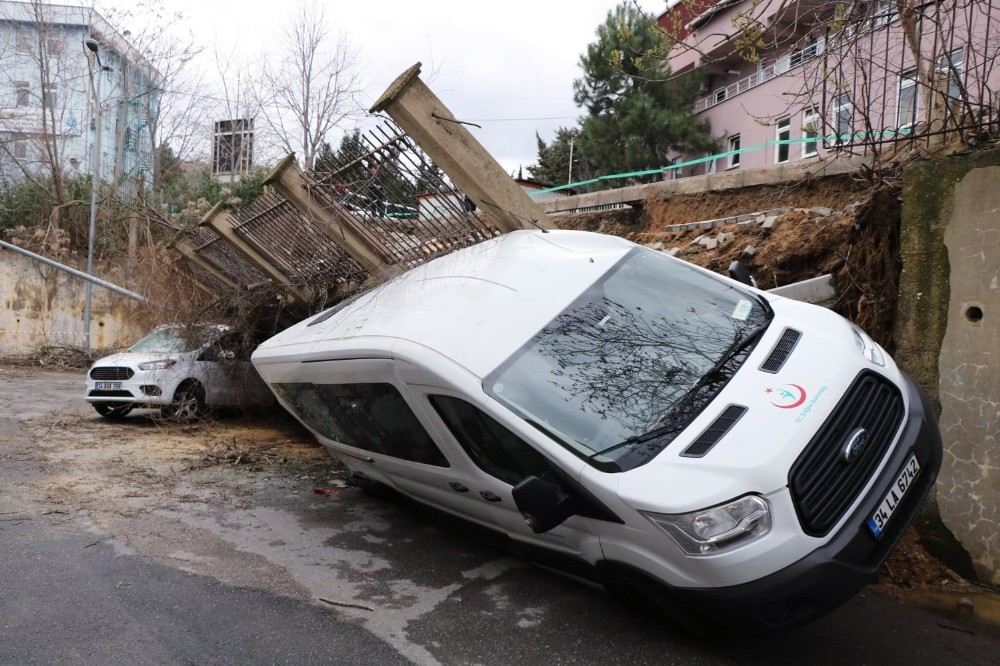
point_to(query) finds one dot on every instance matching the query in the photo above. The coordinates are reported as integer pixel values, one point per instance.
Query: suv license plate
(107, 386)
(880, 518)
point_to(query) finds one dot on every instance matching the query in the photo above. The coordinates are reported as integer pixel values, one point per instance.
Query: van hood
(784, 411)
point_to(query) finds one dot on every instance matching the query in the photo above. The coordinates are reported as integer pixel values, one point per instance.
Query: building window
(50, 96)
(782, 136)
(810, 132)
(734, 151)
(709, 165)
(20, 148)
(720, 95)
(24, 41)
(55, 47)
(22, 93)
(906, 103)
(804, 54)
(953, 64)
(843, 117)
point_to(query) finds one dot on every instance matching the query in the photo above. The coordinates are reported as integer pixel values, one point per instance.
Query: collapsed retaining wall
(948, 335)
(40, 305)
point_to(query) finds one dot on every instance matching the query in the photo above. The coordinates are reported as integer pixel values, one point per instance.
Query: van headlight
(162, 364)
(868, 347)
(719, 528)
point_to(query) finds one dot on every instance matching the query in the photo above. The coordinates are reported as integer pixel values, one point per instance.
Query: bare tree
(312, 87)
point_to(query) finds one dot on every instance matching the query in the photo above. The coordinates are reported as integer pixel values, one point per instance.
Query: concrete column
(428, 121)
(185, 248)
(221, 221)
(286, 178)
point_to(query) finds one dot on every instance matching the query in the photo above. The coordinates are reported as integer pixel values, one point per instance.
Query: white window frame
(783, 125)
(810, 124)
(835, 112)
(720, 96)
(19, 149)
(733, 161)
(709, 165)
(22, 94)
(907, 81)
(956, 60)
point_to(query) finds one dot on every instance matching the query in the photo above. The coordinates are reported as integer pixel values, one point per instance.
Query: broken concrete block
(655, 246)
(724, 237)
(698, 240)
(749, 250)
(673, 251)
(708, 243)
(823, 210)
(770, 222)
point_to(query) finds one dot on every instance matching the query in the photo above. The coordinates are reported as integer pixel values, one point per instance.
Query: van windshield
(617, 374)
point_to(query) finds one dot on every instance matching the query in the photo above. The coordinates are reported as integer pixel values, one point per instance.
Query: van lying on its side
(639, 420)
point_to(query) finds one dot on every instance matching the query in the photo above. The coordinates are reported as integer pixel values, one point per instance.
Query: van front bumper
(835, 572)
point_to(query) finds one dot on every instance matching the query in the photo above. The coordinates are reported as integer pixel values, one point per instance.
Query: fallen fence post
(426, 119)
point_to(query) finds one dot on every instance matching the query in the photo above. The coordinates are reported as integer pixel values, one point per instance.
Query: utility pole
(569, 176)
(95, 180)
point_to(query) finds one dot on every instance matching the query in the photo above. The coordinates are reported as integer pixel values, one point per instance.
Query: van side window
(494, 449)
(373, 417)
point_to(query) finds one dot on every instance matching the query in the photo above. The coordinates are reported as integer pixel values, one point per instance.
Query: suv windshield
(175, 340)
(632, 361)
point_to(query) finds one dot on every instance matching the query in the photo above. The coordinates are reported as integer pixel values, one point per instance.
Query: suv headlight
(868, 347)
(718, 528)
(162, 364)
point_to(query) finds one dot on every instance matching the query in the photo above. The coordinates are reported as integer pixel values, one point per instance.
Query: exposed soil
(834, 192)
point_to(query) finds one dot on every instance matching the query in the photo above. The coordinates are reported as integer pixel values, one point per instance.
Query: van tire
(188, 403)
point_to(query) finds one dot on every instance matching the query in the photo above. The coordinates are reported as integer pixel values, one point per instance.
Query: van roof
(476, 306)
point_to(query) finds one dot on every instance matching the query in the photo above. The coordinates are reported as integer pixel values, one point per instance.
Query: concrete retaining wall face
(40, 305)
(948, 334)
(969, 367)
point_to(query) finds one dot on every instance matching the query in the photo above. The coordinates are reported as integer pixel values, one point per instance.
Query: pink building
(791, 80)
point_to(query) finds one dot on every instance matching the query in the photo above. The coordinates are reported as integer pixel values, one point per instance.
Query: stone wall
(41, 305)
(948, 335)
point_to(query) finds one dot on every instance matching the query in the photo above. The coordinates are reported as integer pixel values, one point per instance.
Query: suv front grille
(111, 374)
(822, 481)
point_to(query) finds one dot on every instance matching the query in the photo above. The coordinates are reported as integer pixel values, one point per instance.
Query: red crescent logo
(798, 401)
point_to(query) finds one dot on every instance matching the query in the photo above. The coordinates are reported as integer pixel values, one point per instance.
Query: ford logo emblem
(855, 445)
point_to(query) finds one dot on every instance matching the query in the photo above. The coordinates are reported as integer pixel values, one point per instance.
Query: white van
(627, 416)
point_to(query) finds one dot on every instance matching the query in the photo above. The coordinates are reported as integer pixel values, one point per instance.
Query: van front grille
(825, 480)
(111, 374)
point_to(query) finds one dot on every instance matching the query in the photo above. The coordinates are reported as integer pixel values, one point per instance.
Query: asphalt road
(113, 551)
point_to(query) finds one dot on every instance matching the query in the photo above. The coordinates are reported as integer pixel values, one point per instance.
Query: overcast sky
(510, 60)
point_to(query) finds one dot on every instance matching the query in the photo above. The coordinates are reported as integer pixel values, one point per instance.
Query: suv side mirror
(544, 505)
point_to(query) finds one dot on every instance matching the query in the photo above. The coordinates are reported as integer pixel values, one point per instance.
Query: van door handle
(490, 497)
(457, 487)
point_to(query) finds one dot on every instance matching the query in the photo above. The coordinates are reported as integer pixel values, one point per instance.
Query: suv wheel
(188, 403)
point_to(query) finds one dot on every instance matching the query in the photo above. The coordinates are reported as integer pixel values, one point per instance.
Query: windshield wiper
(672, 420)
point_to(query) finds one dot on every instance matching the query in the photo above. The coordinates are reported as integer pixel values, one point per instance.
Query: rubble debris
(345, 604)
(749, 251)
(770, 222)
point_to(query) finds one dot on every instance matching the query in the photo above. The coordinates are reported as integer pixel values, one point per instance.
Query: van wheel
(113, 411)
(188, 403)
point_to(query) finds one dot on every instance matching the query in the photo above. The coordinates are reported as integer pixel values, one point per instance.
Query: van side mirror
(739, 272)
(544, 505)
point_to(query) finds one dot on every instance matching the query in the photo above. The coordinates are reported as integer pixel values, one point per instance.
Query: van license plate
(880, 518)
(108, 386)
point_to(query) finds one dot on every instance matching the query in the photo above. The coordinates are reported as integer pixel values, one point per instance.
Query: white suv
(181, 370)
(628, 416)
